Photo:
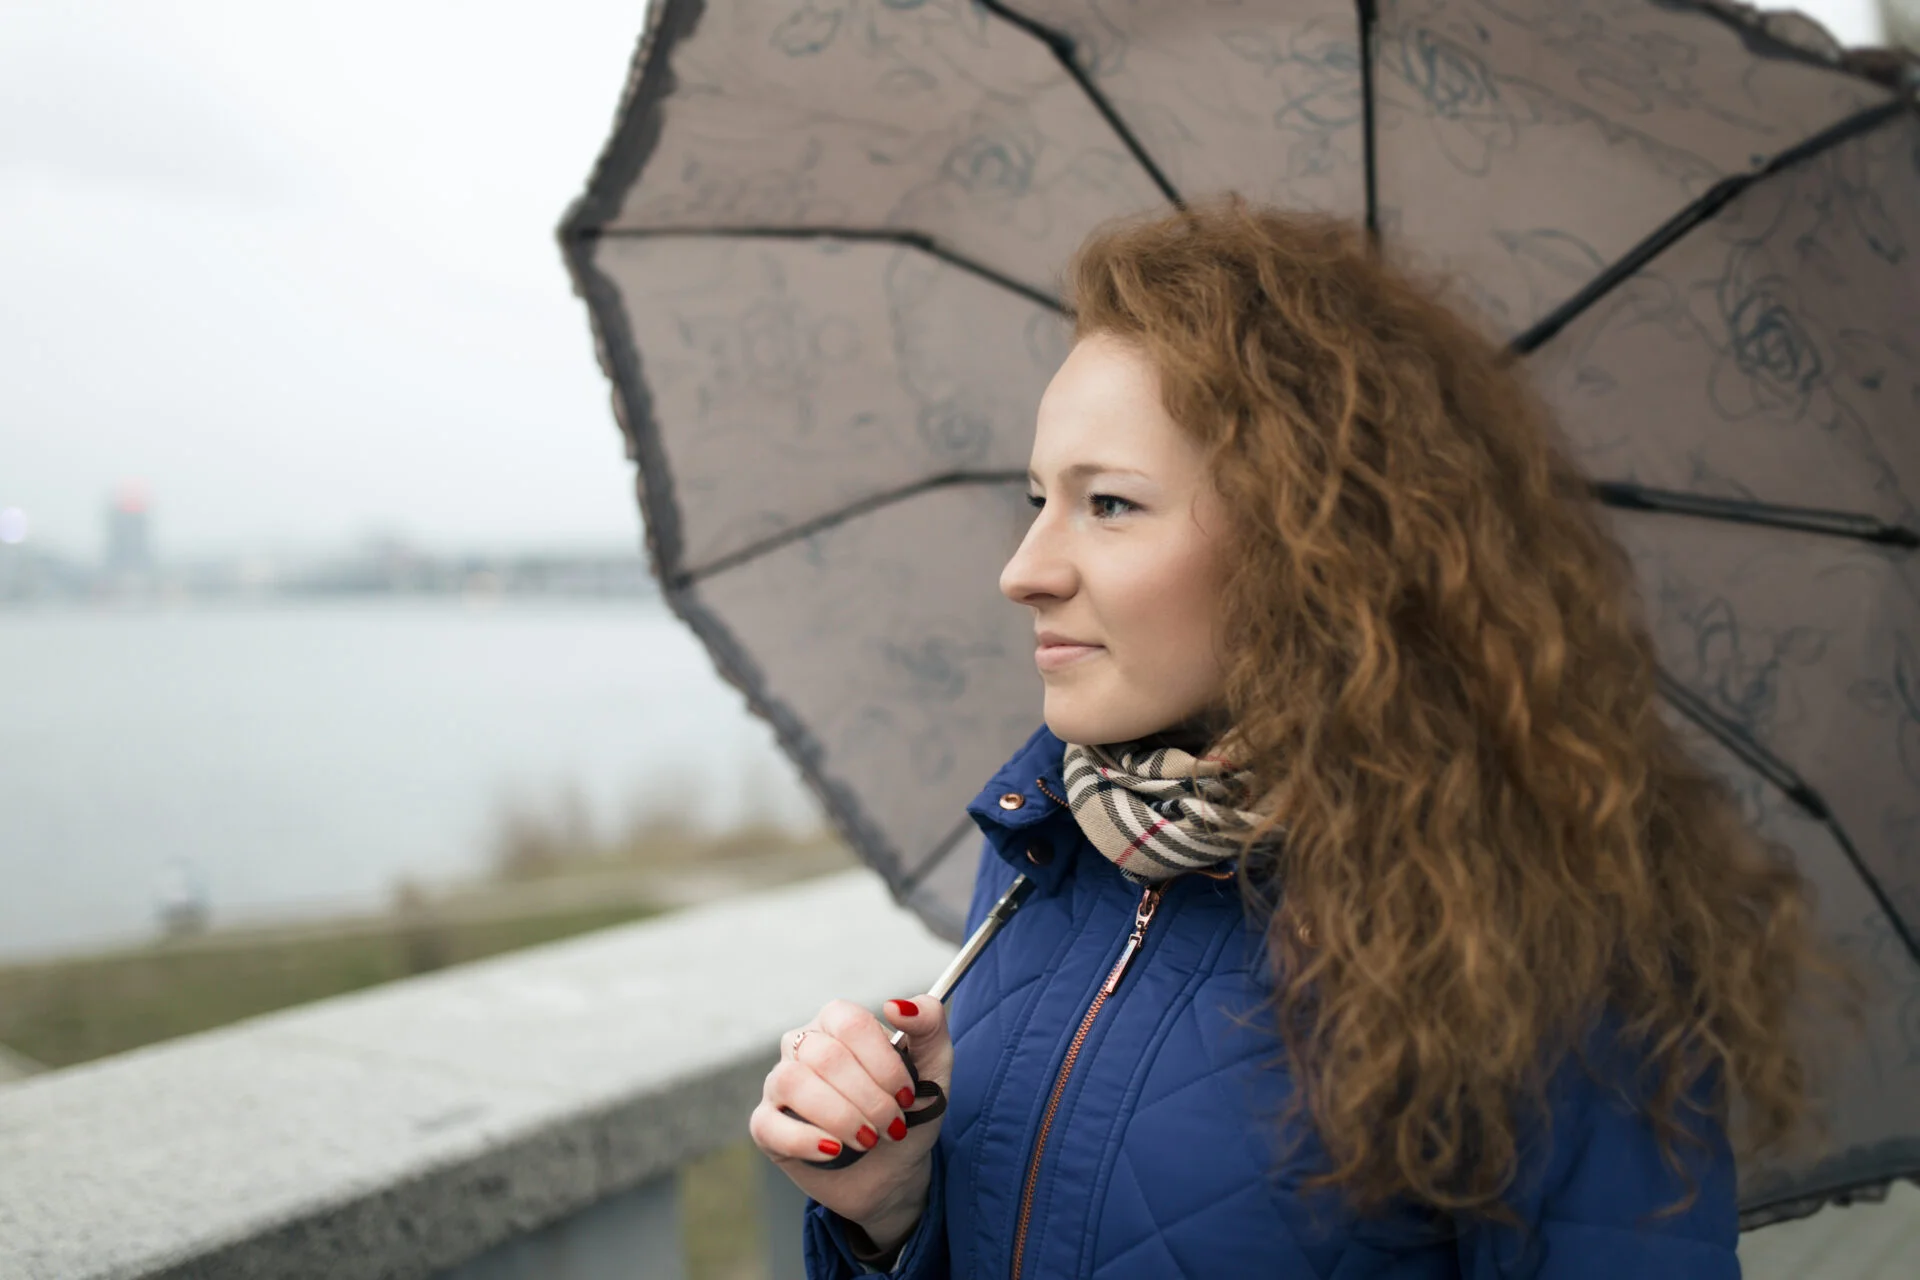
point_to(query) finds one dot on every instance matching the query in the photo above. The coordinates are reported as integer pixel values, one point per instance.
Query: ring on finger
(798, 1036)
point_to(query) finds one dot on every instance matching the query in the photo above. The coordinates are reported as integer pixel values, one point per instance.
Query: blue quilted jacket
(1134, 1135)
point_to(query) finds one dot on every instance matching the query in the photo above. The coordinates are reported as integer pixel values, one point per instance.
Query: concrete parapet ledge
(402, 1130)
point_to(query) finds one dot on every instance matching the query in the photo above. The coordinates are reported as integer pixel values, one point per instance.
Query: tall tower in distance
(129, 531)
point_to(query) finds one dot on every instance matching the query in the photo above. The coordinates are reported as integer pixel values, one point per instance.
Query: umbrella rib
(1368, 15)
(1062, 46)
(1710, 203)
(911, 880)
(911, 239)
(688, 577)
(1791, 784)
(1845, 524)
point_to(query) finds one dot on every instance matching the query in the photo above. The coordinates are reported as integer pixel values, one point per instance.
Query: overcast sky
(291, 264)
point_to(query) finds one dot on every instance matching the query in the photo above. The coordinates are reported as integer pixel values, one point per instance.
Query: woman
(1382, 926)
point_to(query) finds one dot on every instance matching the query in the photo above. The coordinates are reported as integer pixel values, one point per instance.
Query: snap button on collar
(1012, 800)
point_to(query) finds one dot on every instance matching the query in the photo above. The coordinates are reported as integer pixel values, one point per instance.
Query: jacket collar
(1030, 828)
(1032, 831)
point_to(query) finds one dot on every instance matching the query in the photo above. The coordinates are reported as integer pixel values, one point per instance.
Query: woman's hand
(852, 1087)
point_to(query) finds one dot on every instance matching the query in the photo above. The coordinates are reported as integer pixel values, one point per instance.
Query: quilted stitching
(1172, 1238)
(1105, 1128)
(1174, 1086)
(1221, 1203)
(1127, 1209)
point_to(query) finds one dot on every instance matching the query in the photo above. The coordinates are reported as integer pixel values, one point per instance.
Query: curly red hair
(1440, 676)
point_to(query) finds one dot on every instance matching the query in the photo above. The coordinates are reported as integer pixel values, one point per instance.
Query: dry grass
(532, 841)
(68, 1011)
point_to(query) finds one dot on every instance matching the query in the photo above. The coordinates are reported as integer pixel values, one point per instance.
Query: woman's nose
(1038, 568)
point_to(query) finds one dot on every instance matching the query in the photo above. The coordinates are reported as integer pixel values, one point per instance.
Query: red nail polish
(904, 1097)
(898, 1129)
(908, 1009)
(866, 1137)
(828, 1147)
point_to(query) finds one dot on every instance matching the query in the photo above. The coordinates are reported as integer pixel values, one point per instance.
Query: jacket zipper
(1142, 917)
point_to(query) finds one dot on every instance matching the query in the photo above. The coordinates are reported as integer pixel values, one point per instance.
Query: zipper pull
(1142, 916)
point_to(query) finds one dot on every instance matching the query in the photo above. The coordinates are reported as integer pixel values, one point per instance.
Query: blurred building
(30, 572)
(181, 905)
(130, 533)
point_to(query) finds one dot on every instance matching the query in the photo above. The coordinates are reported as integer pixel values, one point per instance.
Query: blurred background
(329, 652)
(328, 647)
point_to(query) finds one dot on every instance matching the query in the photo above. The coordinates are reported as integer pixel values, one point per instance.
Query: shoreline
(61, 1011)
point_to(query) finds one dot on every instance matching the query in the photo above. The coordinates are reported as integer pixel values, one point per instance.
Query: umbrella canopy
(820, 253)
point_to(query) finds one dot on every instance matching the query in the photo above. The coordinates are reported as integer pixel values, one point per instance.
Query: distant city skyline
(131, 570)
(112, 529)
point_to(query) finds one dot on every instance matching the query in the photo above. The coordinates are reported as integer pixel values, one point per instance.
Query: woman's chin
(1083, 720)
(1067, 724)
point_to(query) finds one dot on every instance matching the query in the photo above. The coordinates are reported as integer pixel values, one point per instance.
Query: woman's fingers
(835, 1064)
(823, 1106)
(924, 1019)
(786, 1137)
(845, 1083)
(876, 1065)
(828, 1095)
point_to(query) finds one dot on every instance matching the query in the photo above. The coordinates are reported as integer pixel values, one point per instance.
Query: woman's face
(1122, 564)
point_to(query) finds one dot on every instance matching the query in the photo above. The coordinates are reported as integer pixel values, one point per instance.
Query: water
(301, 757)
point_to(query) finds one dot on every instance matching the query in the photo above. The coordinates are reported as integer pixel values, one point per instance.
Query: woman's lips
(1051, 657)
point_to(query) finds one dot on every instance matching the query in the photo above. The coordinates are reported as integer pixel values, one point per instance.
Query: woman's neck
(1194, 734)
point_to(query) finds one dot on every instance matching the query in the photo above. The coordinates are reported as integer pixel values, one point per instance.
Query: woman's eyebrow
(1082, 470)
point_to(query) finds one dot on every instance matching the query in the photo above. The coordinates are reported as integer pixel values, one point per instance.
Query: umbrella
(819, 255)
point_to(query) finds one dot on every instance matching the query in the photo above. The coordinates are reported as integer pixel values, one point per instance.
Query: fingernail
(908, 1009)
(866, 1137)
(898, 1129)
(828, 1147)
(904, 1097)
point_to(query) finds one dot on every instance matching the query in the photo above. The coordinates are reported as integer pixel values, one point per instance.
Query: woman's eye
(1035, 501)
(1101, 507)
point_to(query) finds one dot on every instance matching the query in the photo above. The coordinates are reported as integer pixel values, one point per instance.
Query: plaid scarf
(1156, 812)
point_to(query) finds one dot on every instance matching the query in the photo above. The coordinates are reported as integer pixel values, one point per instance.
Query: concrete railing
(523, 1116)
